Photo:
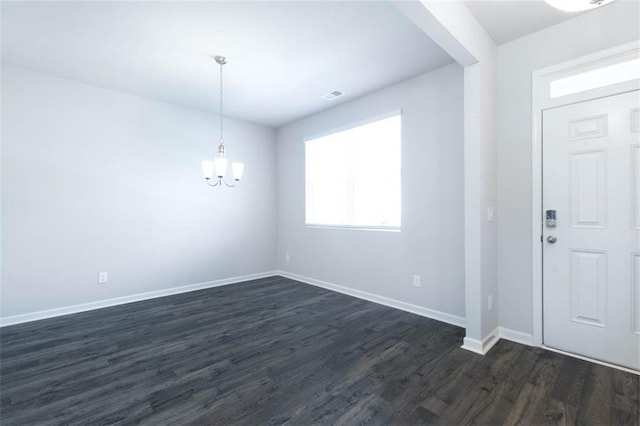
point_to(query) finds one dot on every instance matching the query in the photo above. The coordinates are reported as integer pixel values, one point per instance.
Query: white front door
(591, 257)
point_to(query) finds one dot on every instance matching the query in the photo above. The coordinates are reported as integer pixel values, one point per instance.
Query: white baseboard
(484, 346)
(473, 345)
(50, 313)
(516, 336)
(393, 303)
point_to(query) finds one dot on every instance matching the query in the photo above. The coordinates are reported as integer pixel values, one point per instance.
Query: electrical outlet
(490, 215)
(490, 302)
(287, 258)
(416, 280)
(103, 277)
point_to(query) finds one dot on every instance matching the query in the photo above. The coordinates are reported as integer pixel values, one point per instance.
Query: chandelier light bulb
(221, 167)
(208, 168)
(238, 169)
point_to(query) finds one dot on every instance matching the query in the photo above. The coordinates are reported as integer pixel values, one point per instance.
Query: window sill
(356, 228)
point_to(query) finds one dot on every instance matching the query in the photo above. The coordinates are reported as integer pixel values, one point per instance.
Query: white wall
(452, 26)
(431, 243)
(597, 30)
(97, 180)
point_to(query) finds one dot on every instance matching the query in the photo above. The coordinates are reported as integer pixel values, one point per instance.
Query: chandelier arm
(225, 182)
(215, 184)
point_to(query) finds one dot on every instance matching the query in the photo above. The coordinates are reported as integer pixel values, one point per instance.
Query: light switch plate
(490, 216)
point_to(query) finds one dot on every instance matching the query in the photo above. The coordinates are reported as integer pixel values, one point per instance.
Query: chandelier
(218, 166)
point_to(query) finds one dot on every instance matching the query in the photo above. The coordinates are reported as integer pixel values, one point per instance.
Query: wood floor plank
(570, 382)
(481, 399)
(505, 394)
(597, 396)
(275, 351)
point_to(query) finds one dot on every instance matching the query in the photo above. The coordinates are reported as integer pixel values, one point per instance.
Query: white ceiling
(507, 20)
(282, 55)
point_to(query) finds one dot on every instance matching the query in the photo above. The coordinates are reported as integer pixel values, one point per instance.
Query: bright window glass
(594, 79)
(353, 176)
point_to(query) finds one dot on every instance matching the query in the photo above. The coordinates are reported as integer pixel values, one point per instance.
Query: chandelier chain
(221, 121)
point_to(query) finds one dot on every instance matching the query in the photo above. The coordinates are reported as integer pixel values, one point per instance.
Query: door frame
(541, 100)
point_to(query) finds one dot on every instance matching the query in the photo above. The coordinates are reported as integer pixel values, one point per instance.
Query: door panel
(635, 187)
(588, 183)
(591, 178)
(635, 284)
(635, 120)
(589, 287)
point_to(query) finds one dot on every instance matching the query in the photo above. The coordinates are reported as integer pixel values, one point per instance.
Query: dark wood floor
(276, 351)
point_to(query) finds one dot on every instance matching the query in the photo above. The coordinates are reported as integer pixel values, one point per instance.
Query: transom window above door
(594, 79)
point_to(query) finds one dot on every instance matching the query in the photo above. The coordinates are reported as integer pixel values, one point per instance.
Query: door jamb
(541, 101)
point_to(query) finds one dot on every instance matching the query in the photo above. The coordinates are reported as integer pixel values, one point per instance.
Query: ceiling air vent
(333, 94)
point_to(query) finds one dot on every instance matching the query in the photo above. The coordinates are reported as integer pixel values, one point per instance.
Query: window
(594, 79)
(353, 176)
